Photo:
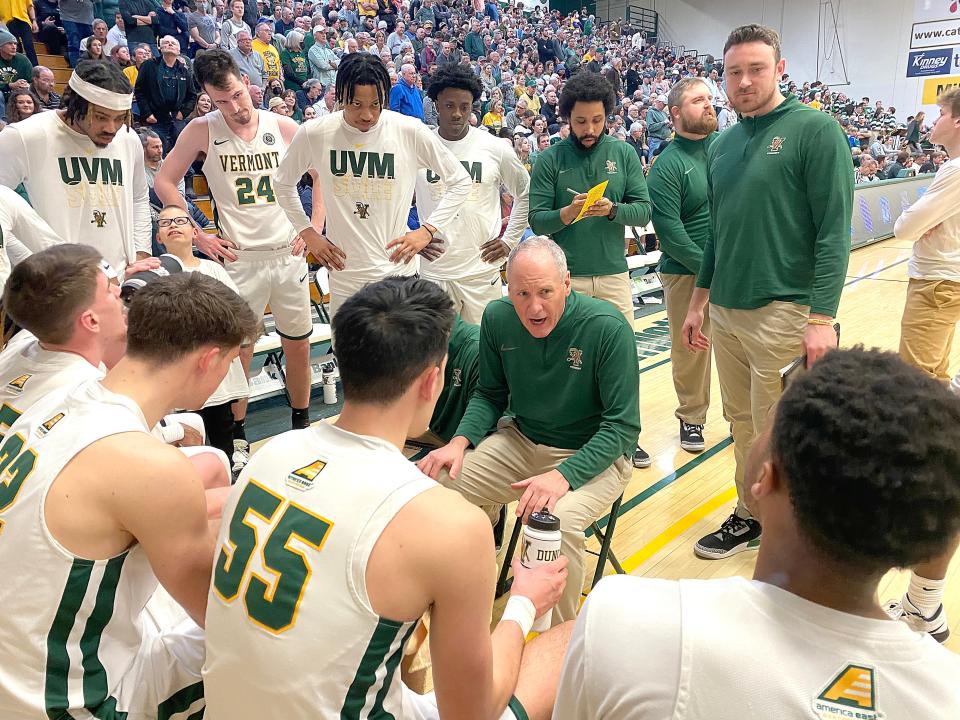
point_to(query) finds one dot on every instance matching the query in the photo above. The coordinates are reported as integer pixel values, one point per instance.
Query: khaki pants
(929, 320)
(507, 457)
(612, 288)
(750, 348)
(691, 371)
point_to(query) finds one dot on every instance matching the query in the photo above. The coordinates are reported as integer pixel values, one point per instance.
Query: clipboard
(593, 196)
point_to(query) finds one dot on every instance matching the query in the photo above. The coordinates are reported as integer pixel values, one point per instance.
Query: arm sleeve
(431, 153)
(939, 202)
(830, 196)
(31, 230)
(654, 126)
(296, 161)
(666, 188)
(489, 399)
(13, 169)
(190, 97)
(395, 98)
(141, 95)
(517, 183)
(142, 224)
(618, 379)
(707, 264)
(544, 218)
(634, 210)
(128, 21)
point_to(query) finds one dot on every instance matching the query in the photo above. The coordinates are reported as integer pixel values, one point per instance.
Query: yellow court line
(677, 529)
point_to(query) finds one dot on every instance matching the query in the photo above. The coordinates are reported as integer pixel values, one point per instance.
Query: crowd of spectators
(522, 54)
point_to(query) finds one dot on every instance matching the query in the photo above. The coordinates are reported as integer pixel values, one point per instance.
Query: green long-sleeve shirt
(459, 379)
(781, 197)
(577, 389)
(593, 246)
(681, 210)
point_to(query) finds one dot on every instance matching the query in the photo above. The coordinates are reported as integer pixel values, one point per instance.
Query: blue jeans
(653, 143)
(75, 33)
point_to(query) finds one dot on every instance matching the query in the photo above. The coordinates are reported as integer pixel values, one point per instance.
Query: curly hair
(362, 69)
(458, 77)
(870, 451)
(102, 73)
(586, 87)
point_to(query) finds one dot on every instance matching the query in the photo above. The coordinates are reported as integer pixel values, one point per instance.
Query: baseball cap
(531, 82)
(382, 25)
(276, 102)
(662, 98)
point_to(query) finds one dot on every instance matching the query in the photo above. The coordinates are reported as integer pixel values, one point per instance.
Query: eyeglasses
(179, 221)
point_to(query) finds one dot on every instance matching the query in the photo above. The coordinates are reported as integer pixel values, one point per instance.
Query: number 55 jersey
(290, 629)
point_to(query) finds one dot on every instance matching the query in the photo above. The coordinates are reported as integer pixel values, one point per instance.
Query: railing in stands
(639, 17)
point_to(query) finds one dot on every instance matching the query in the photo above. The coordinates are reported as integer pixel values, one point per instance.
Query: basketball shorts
(471, 295)
(343, 284)
(424, 707)
(164, 680)
(277, 279)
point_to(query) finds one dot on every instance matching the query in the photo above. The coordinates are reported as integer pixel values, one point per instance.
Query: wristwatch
(613, 212)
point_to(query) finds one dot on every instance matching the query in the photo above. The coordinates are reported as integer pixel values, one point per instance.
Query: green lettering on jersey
(371, 164)
(95, 170)
(475, 169)
(245, 192)
(272, 608)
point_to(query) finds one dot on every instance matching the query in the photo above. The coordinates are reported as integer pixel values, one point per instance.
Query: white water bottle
(329, 385)
(540, 545)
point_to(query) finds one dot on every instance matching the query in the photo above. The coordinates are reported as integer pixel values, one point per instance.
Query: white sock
(926, 594)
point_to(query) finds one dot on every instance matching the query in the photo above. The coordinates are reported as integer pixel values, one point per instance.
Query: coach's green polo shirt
(577, 388)
(459, 379)
(781, 195)
(681, 209)
(593, 246)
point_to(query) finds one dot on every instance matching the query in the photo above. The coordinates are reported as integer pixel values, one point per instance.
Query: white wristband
(520, 610)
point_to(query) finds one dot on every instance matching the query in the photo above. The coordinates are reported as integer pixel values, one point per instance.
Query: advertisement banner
(935, 33)
(938, 61)
(933, 88)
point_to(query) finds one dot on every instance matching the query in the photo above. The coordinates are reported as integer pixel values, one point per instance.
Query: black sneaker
(735, 535)
(691, 437)
(640, 458)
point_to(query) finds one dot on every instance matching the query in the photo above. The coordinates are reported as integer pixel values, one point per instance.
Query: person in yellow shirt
(530, 95)
(140, 55)
(21, 21)
(494, 118)
(272, 69)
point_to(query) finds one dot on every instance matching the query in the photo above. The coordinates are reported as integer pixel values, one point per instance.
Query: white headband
(98, 96)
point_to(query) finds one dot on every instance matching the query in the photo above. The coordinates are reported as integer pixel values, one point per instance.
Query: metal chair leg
(502, 585)
(605, 539)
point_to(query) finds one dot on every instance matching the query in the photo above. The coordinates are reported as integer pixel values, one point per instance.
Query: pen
(571, 190)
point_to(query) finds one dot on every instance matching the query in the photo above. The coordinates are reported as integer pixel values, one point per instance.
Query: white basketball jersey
(70, 627)
(737, 649)
(28, 374)
(491, 163)
(368, 180)
(88, 195)
(290, 630)
(240, 177)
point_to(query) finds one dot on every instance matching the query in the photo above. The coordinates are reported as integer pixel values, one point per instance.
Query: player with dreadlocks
(367, 159)
(83, 166)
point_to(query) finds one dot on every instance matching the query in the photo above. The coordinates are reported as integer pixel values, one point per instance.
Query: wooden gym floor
(681, 497)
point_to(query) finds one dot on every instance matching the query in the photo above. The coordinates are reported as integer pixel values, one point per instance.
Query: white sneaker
(241, 455)
(935, 625)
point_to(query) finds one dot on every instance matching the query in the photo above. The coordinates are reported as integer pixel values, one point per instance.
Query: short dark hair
(586, 87)
(215, 67)
(870, 451)
(754, 33)
(48, 290)
(175, 315)
(362, 69)
(387, 334)
(105, 74)
(458, 77)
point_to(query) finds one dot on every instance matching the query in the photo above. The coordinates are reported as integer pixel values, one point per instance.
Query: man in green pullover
(564, 172)
(781, 198)
(459, 379)
(681, 216)
(567, 365)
